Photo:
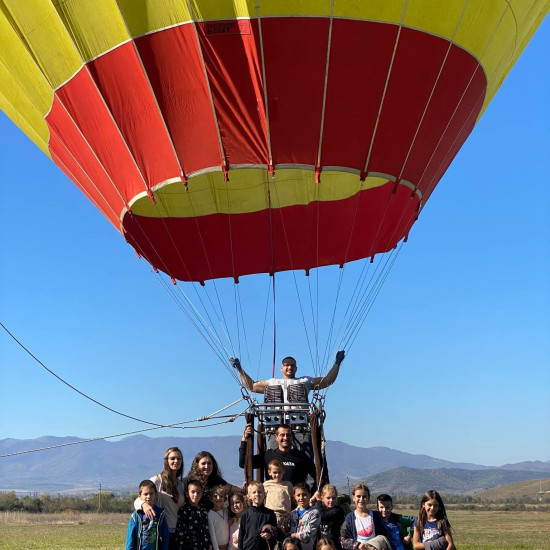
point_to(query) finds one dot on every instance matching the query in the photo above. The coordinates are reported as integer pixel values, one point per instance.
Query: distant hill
(446, 480)
(521, 491)
(531, 466)
(120, 465)
(357, 462)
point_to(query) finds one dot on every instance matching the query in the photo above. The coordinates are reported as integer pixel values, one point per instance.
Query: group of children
(265, 520)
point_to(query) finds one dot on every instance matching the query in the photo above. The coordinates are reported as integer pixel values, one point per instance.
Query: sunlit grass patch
(473, 530)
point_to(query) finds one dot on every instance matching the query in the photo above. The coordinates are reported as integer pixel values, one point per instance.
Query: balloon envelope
(227, 138)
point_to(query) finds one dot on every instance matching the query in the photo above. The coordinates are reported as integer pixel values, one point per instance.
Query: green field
(473, 530)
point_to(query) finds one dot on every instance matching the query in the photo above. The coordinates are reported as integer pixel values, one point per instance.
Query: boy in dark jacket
(258, 525)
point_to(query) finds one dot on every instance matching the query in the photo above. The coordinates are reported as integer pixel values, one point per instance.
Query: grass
(473, 530)
(70, 531)
(491, 530)
(497, 530)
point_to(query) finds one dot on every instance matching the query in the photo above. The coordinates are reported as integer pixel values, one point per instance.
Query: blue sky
(453, 360)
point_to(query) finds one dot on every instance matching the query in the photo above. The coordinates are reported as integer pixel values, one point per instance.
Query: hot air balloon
(228, 138)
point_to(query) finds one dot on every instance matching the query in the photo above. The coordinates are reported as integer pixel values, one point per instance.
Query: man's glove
(339, 357)
(235, 363)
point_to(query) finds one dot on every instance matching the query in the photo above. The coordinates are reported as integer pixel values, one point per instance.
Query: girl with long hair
(237, 505)
(169, 488)
(432, 530)
(205, 469)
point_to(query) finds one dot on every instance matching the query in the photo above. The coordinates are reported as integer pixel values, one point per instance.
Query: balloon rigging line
(213, 341)
(153, 94)
(325, 84)
(208, 334)
(318, 276)
(377, 291)
(340, 280)
(313, 321)
(272, 250)
(360, 305)
(230, 227)
(274, 325)
(386, 83)
(294, 276)
(431, 185)
(264, 78)
(241, 326)
(263, 328)
(381, 279)
(163, 215)
(303, 316)
(351, 334)
(230, 418)
(199, 45)
(237, 322)
(419, 125)
(71, 34)
(224, 323)
(329, 343)
(358, 290)
(238, 293)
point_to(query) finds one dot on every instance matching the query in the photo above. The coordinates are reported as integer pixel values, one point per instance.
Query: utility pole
(99, 505)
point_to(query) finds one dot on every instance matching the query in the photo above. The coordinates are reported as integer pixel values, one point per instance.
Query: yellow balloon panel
(94, 27)
(247, 192)
(42, 32)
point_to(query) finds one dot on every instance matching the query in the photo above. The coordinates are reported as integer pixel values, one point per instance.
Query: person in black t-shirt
(297, 464)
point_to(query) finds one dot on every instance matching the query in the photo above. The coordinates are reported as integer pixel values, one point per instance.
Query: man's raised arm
(246, 381)
(321, 382)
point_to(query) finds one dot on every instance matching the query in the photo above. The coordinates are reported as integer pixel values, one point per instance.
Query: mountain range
(120, 465)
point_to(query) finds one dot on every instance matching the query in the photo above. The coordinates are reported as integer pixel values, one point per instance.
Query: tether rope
(230, 418)
(110, 409)
(70, 385)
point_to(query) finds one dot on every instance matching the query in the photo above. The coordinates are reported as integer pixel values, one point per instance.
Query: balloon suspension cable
(274, 330)
(264, 325)
(289, 252)
(202, 325)
(272, 249)
(363, 309)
